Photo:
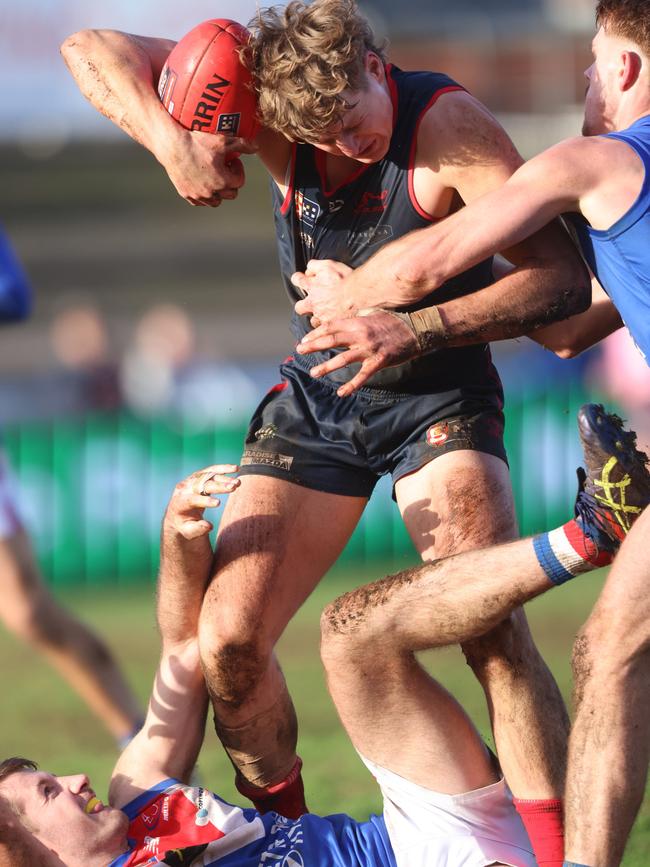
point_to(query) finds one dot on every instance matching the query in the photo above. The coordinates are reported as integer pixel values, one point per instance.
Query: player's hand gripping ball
(204, 84)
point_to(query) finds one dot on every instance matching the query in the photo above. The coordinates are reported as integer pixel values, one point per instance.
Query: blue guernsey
(620, 256)
(184, 826)
(15, 291)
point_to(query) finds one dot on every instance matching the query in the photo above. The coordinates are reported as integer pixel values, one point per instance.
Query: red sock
(544, 823)
(286, 797)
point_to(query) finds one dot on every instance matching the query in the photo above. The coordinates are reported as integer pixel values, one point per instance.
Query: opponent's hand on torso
(321, 284)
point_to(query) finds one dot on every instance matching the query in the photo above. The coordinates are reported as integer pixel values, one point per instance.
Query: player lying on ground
(154, 815)
(381, 152)
(444, 803)
(28, 608)
(602, 180)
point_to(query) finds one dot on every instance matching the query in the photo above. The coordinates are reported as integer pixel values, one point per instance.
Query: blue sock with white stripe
(567, 552)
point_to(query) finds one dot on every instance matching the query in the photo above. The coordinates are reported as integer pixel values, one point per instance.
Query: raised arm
(170, 740)
(118, 73)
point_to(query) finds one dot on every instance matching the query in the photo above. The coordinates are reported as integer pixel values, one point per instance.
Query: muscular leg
(460, 501)
(275, 543)
(608, 752)
(30, 611)
(369, 640)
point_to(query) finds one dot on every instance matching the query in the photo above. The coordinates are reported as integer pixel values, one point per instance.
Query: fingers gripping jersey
(374, 206)
(185, 826)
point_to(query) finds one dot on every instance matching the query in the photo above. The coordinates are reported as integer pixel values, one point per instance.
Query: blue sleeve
(15, 289)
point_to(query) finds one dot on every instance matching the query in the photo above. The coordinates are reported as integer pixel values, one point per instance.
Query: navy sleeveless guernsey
(620, 256)
(371, 207)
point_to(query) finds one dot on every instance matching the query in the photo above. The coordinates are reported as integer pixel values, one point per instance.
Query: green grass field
(44, 720)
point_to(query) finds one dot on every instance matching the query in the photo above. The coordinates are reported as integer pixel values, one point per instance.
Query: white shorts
(474, 829)
(10, 522)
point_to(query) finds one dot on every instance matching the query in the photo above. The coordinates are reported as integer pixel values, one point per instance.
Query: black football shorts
(304, 433)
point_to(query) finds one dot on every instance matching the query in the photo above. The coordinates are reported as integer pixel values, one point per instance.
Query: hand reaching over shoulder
(194, 495)
(377, 340)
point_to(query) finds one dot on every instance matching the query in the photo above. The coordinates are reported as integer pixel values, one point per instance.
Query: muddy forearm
(525, 299)
(117, 72)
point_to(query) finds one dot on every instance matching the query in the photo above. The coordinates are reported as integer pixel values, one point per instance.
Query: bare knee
(361, 626)
(341, 633)
(234, 660)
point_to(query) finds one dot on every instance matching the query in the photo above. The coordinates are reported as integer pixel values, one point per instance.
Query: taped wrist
(426, 325)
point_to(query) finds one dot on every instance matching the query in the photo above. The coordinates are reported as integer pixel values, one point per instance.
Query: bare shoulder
(459, 130)
(577, 165)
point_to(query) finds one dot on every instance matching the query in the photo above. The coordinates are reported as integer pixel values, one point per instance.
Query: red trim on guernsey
(288, 198)
(392, 89)
(321, 166)
(280, 386)
(414, 145)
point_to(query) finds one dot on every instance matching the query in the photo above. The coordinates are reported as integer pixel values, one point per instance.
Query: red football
(205, 86)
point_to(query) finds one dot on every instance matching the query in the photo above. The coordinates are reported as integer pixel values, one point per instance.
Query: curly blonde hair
(303, 56)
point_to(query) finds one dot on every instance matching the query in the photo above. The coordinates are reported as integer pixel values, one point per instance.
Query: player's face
(66, 816)
(601, 100)
(367, 126)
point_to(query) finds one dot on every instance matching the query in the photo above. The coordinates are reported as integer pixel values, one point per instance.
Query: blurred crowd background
(157, 327)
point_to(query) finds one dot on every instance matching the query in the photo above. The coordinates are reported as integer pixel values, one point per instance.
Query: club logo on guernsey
(307, 210)
(437, 434)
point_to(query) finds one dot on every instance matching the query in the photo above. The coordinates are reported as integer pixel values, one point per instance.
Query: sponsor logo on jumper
(151, 844)
(212, 95)
(229, 123)
(266, 432)
(307, 241)
(336, 205)
(291, 837)
(372, 203)
(371, 235)
(253, 457)
(293, 859)
(308, 211)
(437, 434)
